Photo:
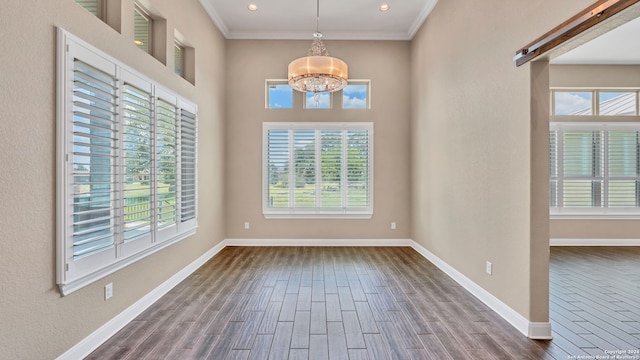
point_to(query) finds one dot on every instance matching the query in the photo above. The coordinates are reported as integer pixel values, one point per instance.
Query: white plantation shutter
(598, 169)
(582, 168)
(94, 153)
(331, 170)
(624, 168)
(166, 160)
(553, 168)
(126, 159)
(188, 147)
(318, 169)
(278, 163)
(304, 168)
(357, 187)
(137, 134)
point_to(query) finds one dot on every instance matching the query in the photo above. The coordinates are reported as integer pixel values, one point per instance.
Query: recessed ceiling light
(384, 7)
(252, 7)
(138, 42)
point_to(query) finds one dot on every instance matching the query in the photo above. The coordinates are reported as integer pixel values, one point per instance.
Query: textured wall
(386, 64)
(472, 144)
(37, 323)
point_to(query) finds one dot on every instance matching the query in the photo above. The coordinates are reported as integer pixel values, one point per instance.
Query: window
(126, 165)
(96, 7)
(184, 55)
(594, 162)
(572, 103)
(143, 29)
(318, 170)
(279, 95)
(317, 100)
(622, 103)
(595, 102)
(595, 169)
(356, 95)
(178, 56)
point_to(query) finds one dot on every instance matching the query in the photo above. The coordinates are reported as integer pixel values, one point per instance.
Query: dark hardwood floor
(595, 300)
(357, 303)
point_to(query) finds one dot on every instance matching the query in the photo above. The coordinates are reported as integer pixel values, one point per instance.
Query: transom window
(356, 95)
(178, 57)
(96, 7)
(279, 95)
(595, 102)
(143, 29)
(318, 169)
(320, 100)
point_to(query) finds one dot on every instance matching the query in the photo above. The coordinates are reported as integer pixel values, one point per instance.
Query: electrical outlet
(246, 225)
(108, 291)
(393, 225)
(489, 268)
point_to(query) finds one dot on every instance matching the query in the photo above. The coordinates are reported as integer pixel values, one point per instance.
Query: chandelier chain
(318, 16)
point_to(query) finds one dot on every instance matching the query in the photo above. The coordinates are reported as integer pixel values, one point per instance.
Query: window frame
(318, 212)
(364, 82)
(267, 99)
(73, 271)
(101, 8)
(595, 104)
(179, 65)
(603, 212)
(144, 13)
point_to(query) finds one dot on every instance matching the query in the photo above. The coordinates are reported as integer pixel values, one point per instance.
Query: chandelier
(318, 72)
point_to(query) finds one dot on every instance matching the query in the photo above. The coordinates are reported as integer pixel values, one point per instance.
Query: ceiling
(619, 46)
(339, 19)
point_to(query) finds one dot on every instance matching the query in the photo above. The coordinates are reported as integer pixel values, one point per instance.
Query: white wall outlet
(246, 225)
(393, 225)
(108, 291)
(489, 268)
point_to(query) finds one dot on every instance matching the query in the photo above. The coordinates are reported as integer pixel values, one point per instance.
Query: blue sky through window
(570, 102)
(324, 101)
(354, 96)
(280, 96)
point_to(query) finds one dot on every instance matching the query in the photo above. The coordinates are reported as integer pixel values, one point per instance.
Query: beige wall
(36, 322)
(386, 64)
(472, 150)
(594, 76)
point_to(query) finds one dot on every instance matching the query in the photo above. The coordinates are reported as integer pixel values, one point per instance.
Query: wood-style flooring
(347, 303)
(595, 300)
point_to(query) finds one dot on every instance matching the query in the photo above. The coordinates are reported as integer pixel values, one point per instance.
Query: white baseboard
(540, 331)
(91, 342)
(594, 242)
(318, 242)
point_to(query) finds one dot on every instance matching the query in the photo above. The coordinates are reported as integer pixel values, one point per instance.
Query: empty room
(317, 179)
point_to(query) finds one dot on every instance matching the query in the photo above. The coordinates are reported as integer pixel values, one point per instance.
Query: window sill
(68, 287)
(594, 216)
(319, 216)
